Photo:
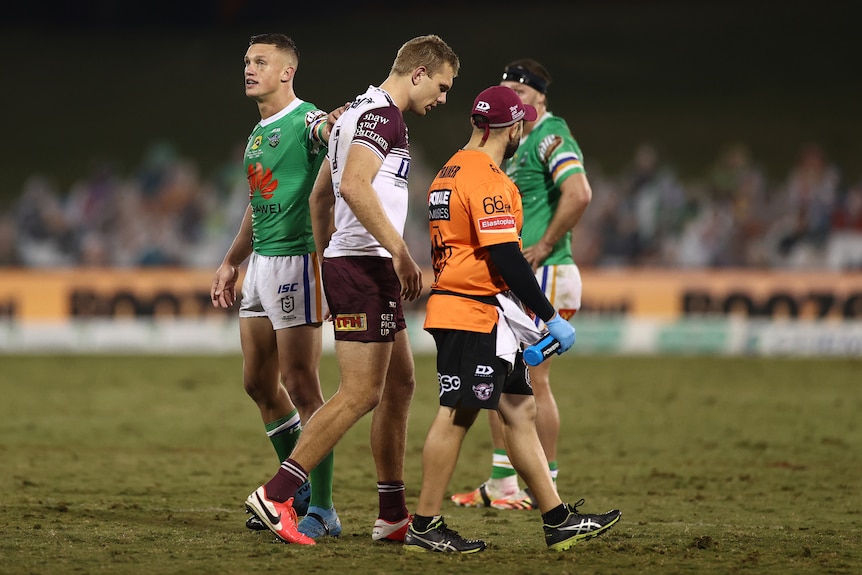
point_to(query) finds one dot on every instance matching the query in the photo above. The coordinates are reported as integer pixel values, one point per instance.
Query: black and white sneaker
(439, 538)
(254, 523)
(300, 505)
(578, 527)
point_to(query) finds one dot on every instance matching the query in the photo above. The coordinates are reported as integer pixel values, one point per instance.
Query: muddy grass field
(719, 465)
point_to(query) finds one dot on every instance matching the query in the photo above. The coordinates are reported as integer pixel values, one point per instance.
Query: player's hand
(334, 114)
(410, 276)
(562, 331)
(223, 290)
(330, 121)
(536, 254)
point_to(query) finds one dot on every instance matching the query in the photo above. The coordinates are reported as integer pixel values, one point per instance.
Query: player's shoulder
(373, 99)
(300, 114)
(309, 108)
(311, 114)
(305, 106)
(478, 165)
(384, 113)
(552, 124)
(553, 136)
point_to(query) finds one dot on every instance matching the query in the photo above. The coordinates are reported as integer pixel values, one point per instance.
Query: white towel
(514, 327)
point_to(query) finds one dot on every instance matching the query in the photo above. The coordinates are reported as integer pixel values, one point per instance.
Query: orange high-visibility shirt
(472, 204)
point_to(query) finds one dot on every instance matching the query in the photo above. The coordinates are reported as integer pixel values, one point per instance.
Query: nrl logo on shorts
(350, 322)
(483, 391)
(287, 304)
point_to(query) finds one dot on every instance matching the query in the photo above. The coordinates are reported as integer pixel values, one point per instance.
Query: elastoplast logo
(503, 223)
(350, 322)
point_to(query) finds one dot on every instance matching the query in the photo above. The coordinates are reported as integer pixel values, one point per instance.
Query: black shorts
(470, 374)
(364, 297)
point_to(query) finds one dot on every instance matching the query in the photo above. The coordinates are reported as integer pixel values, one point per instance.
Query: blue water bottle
(541, 350)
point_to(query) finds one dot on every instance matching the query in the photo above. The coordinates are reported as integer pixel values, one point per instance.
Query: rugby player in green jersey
(282, 306)
(549, 172)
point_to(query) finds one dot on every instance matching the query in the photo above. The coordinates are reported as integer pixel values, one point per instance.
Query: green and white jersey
(282, 158)
(546, 157)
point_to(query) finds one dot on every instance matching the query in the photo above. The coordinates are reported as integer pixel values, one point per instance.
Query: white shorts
(286, 289)
(562, 286)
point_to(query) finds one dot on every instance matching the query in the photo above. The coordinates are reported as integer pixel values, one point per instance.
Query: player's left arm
(358, 192)
(575, 196)
(320, 202)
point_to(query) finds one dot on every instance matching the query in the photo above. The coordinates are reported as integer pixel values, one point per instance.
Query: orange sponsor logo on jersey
(350, 322)
(502, 223)
(260, 180)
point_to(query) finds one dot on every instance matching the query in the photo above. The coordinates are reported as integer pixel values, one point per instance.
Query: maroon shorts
(364, 297)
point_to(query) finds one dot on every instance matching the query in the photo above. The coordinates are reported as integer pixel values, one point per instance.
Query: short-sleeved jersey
(472, 204)
(546, 157)
(374, 121)
(282, 159)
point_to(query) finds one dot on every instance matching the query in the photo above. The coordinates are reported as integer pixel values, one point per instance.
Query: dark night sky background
(92, 81)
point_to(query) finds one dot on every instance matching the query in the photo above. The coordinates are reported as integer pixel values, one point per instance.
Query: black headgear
(524, 76)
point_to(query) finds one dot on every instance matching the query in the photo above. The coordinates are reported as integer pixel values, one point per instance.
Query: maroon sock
(393, 507)
(285, 483)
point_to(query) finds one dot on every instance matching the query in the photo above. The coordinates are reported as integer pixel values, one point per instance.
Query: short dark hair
(280, 41)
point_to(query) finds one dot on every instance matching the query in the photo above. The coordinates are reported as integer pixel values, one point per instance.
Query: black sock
(556, 515)
(421, 523)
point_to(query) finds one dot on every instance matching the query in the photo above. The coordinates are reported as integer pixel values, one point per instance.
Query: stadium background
(100, 87)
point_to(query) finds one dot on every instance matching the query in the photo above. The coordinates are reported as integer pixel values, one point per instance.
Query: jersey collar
(284, 112)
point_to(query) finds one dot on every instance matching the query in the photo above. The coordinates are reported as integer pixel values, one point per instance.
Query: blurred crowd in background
(167, 213)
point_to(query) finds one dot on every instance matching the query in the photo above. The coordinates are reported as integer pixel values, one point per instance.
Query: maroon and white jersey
(374, 121)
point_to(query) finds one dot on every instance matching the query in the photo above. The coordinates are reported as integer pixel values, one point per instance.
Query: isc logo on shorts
(448, 383)
(350, 322)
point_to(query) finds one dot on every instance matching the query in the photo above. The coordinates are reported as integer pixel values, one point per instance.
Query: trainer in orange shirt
(474, 313)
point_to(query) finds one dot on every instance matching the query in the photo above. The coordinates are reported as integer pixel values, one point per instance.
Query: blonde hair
(429, 51)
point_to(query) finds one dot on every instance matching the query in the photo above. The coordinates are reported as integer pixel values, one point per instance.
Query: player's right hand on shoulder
(334, 114)
(562, 331)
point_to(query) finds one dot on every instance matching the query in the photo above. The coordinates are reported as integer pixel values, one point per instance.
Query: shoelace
(574, 506)
(293, 515)
(452, 533)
